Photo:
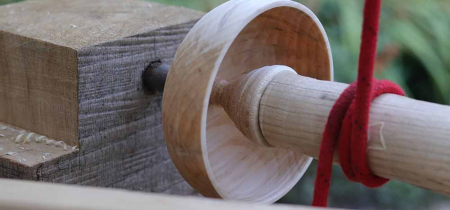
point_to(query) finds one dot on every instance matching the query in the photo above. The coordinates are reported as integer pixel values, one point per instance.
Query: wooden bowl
(233, 39)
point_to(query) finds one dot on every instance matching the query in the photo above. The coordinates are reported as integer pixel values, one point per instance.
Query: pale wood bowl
(233, 39)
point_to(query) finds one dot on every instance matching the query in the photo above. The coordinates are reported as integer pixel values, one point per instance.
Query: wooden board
(73, 73)
(13, 196)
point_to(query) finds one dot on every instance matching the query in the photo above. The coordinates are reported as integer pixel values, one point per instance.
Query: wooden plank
(51, 196)
(74, 74)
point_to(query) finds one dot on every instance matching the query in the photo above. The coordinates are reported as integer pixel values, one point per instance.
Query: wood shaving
(19, 138)
(59, 144)
(48, 142)
(40, 139)
(28, 139)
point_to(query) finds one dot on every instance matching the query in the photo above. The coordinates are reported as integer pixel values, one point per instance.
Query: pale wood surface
(73, 73)
(408, 139)
(233, 39)
(29, 149)
(84, 23)
(22, 152)
(241, 98)
(19, 195)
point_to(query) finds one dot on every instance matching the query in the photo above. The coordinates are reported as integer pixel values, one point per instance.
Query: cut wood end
(28, 149)
(83, 23)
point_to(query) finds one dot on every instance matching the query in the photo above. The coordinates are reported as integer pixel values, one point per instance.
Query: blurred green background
(414, 52)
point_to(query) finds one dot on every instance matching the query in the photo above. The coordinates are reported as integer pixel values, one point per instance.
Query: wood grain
(38, 86)
(233, 39)
(276, 108)
(408, 139)
(63, 197)
(85, 23)
(121, 139)
(73, 73)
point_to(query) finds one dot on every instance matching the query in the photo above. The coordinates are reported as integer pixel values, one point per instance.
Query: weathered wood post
(72, 104)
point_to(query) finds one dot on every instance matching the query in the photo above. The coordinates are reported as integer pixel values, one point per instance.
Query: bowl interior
(241, 169)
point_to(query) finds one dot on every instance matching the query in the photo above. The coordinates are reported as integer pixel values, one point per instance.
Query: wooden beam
(28, 195)
(71, 71)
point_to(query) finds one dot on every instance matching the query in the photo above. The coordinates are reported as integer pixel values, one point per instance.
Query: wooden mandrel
(248, 95)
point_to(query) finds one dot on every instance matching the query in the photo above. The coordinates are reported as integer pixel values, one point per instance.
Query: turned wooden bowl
(230, 41)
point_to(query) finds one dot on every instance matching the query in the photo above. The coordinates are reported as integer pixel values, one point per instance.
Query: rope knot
(348, 122)
(345, 129)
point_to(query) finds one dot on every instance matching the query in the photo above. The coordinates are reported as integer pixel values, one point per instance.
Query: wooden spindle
(249, 136)
(408, 139)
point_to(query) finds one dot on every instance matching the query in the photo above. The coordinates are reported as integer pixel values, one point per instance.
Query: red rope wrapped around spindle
(348, 121)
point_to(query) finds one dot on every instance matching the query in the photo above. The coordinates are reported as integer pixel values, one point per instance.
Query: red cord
(348, 121)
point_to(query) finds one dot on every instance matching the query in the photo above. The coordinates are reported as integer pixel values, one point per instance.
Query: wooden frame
(20, 195)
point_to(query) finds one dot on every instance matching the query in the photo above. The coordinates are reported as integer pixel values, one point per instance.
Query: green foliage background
(414, 52)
